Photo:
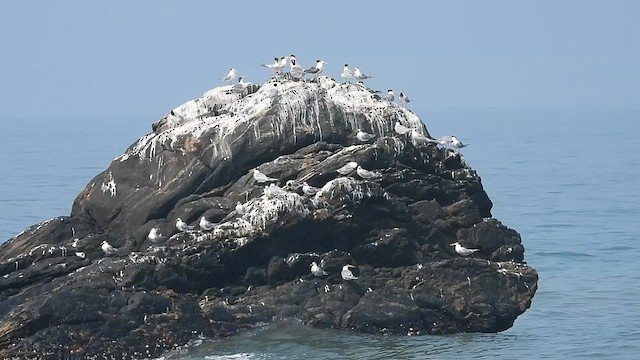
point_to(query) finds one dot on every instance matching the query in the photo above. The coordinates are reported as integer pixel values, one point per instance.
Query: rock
(156, 295)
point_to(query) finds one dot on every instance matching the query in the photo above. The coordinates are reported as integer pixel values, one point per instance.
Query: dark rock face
(61, 296)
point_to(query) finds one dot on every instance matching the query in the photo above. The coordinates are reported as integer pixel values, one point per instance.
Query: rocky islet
(154, 294)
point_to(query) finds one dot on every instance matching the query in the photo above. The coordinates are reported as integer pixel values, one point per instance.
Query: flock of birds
(261, 178)
(298, 72)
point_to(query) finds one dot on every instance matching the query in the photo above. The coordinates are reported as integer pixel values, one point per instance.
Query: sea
(568, 180)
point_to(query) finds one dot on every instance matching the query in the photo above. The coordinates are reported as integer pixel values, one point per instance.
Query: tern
(404, 99)
(277, 66)
(317, 68)
(205, 224)
(317, 270)
(451, 142)
(231, 75)
(262, 178)
(308, 189)
(346, 73)
(296, 70)
(457, 144)
(154, 234)
(364, 136)
(182, 226)
(401, 129)
(418, 138)
(240, 86)
(390, 96)
(347, 274)
(240, 209)
(107, 248)
(461, 250)
(366, 174)
(358, 74)
(348, 168)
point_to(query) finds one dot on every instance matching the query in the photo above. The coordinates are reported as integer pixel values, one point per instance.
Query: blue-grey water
(567, 180)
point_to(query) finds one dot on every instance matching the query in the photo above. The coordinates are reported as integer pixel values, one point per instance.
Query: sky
(139, 59)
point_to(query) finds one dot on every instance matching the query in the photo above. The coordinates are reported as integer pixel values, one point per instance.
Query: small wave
(231, 356)
(563, 254)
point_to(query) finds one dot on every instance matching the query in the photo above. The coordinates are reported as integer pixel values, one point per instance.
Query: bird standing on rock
(346, 73)
(182, 226)
(418, 138)
(317, 270)
(296, 71)
(277, 65)
(358, 74)
(262, 178)
(390, 96)
(364, 136)
(457, 144)
(404, 99)
(348, 168)
(154, 234)
(401, 129)
(240, 209)
(347, 274)
(231, 75)
(317, 68)
(461, 250)
(205, 224)
(308, 189)
(366, 174)
(107, 248)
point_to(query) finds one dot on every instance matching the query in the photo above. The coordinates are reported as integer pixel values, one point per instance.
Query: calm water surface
(567, 180)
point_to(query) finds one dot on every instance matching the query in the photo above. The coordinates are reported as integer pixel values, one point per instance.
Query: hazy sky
(140, 58)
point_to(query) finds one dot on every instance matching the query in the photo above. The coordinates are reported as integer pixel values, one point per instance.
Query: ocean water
(567, 180)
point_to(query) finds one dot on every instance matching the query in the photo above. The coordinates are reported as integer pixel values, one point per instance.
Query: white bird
(401, 129)
(75, 243)
(284, 61)
(240, 209)
(276, 63)
(451, 142)
(231, 75)
(347, 274)
(366, 174)
(308, 189)
(154, 234)
(364, 136)
(240, 86)
(348, 168)
(296, 70)
(107, 248)
(346, 73)
(317, 68)
(418, 138)
(81, 254)
(262, 178)
(390, 96)
(277, 66)
(205, 224)
(461, 250)
(317, 270)
(358, 74)
(404, 99)
(182, 226)
(457, 144)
